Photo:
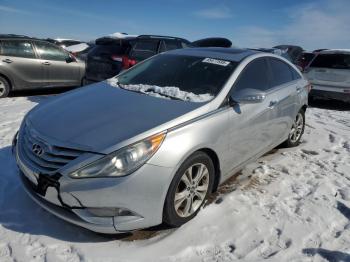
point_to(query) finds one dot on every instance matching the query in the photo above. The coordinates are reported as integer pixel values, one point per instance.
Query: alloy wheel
(297, 128)
(2, 88)
(191, 190)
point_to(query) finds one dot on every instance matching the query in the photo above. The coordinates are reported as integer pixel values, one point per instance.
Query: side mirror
(247, 96)
(70, 59)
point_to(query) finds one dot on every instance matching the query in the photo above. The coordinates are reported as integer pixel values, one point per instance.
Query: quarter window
(17, 48)
(49, 51)
(254, 76)
(281, 72)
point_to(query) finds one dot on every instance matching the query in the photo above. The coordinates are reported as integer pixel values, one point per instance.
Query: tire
(176, 215)
(295, 137)
(4, 87)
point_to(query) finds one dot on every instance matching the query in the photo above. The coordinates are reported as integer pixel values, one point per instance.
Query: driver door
(251, 123)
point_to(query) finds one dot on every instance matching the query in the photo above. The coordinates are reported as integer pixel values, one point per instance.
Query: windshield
(195, 79)
(335, 61)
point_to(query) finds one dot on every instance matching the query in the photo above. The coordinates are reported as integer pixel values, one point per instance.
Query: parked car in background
(120, 51)
(150, 145)
(304, 59)
(275, 51)
(329, 75)
(29, 63)
(63, 42)
(293, 51)
(114, 54)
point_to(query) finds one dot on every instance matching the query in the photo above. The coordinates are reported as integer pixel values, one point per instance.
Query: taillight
(127, 62)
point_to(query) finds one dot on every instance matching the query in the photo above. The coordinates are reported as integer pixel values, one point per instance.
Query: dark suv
(29, 63)
(112, 55)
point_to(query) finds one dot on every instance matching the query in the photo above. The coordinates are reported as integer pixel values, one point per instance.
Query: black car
(112, 55)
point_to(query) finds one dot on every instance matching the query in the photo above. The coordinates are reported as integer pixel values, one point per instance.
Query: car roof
(229, 54)
(20, 37)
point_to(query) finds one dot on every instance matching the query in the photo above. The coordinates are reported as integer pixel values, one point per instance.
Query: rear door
(251, 124)
(330, 72)
(285, 86)
(19, 62)
(59, 72)
(144, 48)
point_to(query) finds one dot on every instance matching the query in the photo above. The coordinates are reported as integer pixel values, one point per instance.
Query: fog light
(109, 212)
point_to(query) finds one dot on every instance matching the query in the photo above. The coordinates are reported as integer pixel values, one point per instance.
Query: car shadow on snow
(38, 95)
(331, 256)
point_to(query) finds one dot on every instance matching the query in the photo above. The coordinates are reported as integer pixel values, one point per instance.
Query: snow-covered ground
(291, 205)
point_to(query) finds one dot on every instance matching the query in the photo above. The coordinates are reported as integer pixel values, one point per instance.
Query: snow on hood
(164, 92)
(77, 48)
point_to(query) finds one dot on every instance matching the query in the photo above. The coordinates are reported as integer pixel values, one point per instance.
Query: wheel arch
(8, 80)
(214, 157)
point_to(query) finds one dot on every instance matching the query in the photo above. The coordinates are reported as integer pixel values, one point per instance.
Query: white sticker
(216, 61)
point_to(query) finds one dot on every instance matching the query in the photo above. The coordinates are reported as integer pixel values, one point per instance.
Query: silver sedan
(148, 146)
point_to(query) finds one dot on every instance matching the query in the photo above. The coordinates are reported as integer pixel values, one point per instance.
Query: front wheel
(191, 185)
(297, 130)
(4, 87)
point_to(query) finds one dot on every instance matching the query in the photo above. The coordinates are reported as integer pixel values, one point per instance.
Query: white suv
(329, 75)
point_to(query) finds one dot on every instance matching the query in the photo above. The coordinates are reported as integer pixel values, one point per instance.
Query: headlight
(123, 161)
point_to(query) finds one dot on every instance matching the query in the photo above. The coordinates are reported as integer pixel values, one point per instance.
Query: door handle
(273, 103)
(9, 61)
(46, 63)
(299, 89)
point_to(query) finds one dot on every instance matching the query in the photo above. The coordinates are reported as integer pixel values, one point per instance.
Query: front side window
(17, 48)
(49, 51)
(190, 78)
(334, 61)
(281, 72)
(254, 76)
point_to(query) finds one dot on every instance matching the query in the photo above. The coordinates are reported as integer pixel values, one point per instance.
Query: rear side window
(167, 45)
(144, 49)
(107, 51)
(281, 72)
(17, 48)
(254, 76)
(49, 51)
(335, 61)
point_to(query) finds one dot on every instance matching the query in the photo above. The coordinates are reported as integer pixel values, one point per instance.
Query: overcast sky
(311, 24)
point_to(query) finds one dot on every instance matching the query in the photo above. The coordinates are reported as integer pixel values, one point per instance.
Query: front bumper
(143, 193)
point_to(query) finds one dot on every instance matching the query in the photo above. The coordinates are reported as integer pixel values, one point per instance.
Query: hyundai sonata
(151, 144)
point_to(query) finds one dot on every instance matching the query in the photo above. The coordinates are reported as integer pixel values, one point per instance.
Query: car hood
(100, 116)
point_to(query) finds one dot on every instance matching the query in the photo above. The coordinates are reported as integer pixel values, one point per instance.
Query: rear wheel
(4, 87)
(190, 187)
(297, 130)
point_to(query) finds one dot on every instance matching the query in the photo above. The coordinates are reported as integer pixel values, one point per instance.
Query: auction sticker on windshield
(216, 61)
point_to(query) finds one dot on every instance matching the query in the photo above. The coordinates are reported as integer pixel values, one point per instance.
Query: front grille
(51, 157)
